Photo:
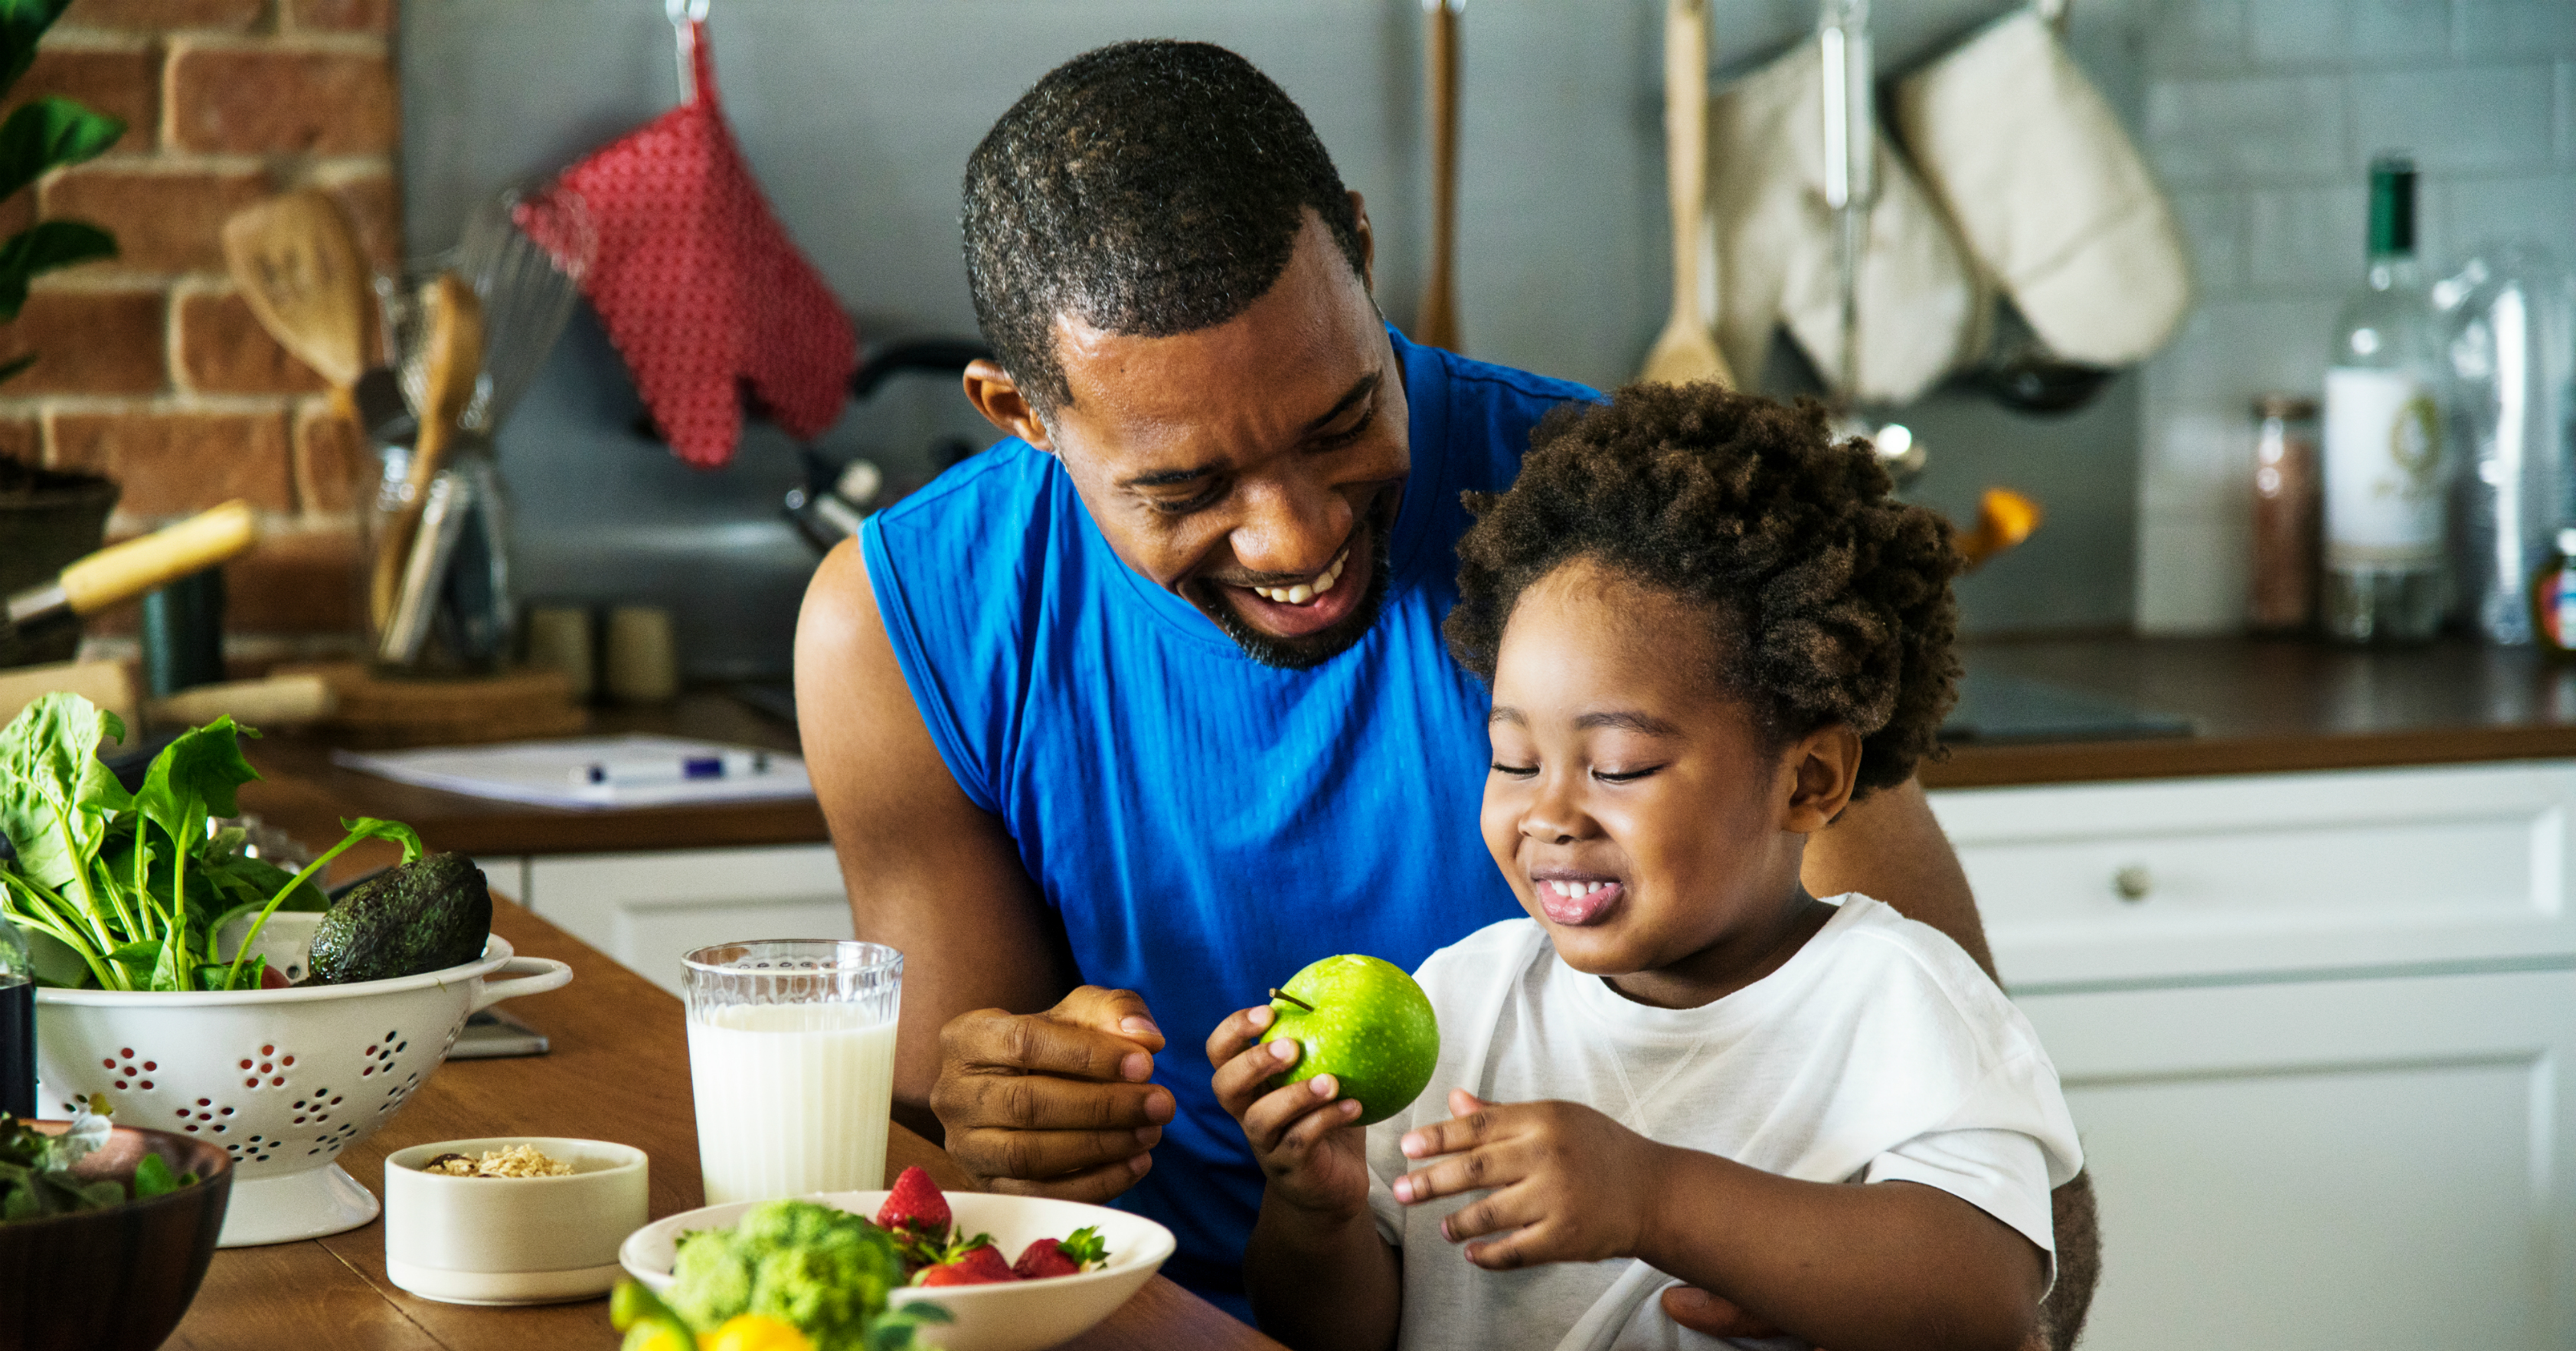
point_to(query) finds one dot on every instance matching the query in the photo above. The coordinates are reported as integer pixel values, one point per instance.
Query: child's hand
(1297, 1132)
(1570, 1183)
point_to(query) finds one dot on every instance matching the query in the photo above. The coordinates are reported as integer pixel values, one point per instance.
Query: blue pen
(673, 769)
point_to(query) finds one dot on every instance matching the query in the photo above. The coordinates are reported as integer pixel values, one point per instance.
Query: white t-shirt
(1877, 1052)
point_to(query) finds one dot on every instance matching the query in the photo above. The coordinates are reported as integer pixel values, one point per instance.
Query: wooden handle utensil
(1686, 351)
(1437, 325)
(455, 362)
(297, 262)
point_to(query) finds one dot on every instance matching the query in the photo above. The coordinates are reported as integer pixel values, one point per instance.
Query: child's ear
(1824, 766)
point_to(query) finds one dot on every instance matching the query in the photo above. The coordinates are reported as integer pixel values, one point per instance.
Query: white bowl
(282, 1079)
(1007, 1316)
(512, 1240)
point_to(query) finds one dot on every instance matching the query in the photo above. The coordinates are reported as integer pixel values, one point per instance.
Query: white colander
(282, 1079)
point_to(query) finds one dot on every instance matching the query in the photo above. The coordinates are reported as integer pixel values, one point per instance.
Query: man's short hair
(1146, 188)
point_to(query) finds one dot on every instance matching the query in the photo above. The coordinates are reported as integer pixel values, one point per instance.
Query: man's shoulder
(980, 489)
(1486, 382)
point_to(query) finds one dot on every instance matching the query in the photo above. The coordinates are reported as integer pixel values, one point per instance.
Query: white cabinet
(2316, 1031)
(2329, 1164)
(647, 909)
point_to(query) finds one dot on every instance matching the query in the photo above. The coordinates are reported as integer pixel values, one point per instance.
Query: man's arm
(1889, 846)
(997, 1048)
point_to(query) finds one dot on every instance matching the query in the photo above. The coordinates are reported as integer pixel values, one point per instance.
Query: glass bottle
(17, 1023)
(2284, 597)
(2512, 358)
(2553, 599)
(2385, 467)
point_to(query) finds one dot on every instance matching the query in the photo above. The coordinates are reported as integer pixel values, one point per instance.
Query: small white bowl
(511, 1240)
(1007, 1316)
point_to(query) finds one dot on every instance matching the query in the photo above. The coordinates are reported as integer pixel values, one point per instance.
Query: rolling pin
(121, 572)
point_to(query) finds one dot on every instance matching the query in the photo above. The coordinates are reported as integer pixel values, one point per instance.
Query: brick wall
(2262, 117)
(150, 367)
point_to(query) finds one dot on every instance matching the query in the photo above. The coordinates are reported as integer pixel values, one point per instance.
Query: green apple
(1364, 1022)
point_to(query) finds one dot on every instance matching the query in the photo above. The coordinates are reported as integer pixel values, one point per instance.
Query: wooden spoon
(1686, 351)
(1437, 325)
(297, 263)
(455, 362)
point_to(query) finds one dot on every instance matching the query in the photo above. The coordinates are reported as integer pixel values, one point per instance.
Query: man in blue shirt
(1125, 720)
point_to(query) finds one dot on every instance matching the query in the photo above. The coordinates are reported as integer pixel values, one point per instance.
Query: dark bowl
(117, 1279)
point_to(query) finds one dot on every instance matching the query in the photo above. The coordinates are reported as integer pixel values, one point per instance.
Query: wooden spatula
(455, 362)
(1437, 325)
(1686, 351)
(296, 261)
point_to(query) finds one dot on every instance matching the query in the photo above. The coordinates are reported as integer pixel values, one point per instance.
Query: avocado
(426, 915)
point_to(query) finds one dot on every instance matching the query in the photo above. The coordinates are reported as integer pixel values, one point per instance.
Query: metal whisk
(527, 290)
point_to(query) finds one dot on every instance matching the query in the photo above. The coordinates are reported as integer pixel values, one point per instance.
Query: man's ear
(997, 396)
(1368, 242)
(1824, 767)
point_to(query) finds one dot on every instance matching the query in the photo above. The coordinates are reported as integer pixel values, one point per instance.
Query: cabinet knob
(2133, 882)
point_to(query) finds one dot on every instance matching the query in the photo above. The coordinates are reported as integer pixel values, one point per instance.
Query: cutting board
(382, 712)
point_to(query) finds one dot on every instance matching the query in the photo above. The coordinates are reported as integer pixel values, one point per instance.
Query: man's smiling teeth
(1305, 591)
(1571, 890)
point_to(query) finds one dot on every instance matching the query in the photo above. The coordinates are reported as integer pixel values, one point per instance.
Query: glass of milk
(791, 1060)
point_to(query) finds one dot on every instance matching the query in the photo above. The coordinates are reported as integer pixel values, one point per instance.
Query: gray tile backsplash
(2262, 118)
(857, 114)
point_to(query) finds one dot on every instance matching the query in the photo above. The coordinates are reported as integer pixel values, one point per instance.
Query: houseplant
(47, 518)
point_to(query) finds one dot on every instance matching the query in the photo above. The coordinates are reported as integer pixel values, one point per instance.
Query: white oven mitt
(2048, 192)
(1922, 307)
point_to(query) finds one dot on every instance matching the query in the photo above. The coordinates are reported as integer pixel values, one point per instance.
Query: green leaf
(57, 799)
(142, 954)
(21, 23)
(43, 247)
(197, 776)
(10, 370)
(48, 134)
(371, 828)
(152, 1177)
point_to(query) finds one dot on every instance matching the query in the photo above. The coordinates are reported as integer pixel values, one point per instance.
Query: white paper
(541, 772)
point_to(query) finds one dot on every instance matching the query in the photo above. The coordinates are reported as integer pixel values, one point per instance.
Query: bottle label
(2383, 470)
(2559, 615)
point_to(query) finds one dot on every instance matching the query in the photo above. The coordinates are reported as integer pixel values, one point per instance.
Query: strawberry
(978, 1265)
(915, 1205)
(1060, 1257)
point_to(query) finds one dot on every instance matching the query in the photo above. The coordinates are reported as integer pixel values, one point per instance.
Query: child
(1706, 629)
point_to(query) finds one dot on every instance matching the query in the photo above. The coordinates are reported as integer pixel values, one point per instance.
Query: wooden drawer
(2229, 877)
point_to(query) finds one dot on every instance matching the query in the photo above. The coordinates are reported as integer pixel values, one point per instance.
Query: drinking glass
(791, 1062)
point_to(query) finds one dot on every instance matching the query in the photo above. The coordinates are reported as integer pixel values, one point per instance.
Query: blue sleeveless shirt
(1205, 825)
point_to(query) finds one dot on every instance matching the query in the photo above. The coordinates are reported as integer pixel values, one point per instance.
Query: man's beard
(1313, 649)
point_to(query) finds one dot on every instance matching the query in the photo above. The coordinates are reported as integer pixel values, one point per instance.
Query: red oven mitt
(700, 287)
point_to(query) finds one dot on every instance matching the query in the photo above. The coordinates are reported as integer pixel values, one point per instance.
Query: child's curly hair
(1829, 601)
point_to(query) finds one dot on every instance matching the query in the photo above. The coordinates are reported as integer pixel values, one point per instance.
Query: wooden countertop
(2258, 706)
(2275, 706)
(618, 1071)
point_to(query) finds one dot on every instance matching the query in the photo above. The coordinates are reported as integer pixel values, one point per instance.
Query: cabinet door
(2328, 1164)
(647, 910)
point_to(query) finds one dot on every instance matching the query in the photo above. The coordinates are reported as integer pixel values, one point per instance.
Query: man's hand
(1055, 1103)
(1570, 1184)
(1297, 1133)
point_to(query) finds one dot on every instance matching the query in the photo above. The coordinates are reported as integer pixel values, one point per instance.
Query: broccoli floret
(826, 1271)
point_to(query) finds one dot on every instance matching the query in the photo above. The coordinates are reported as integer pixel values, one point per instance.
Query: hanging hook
(686, 15)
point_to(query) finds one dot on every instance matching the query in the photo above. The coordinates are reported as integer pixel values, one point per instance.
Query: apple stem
(1279, 994)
